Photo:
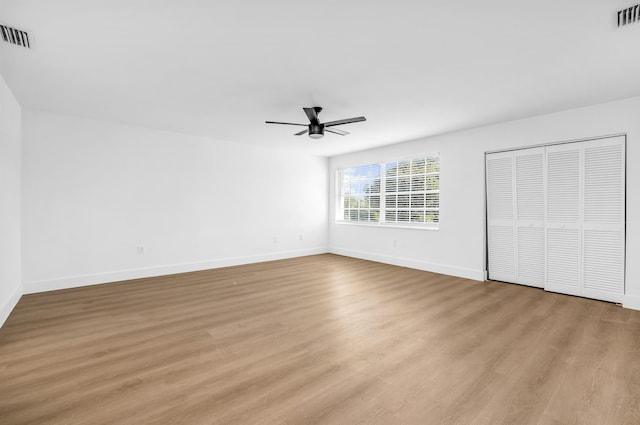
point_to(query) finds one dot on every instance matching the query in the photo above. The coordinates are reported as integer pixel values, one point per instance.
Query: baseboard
(116, 276)
(632, 302)
(412, 264)
(11, 303)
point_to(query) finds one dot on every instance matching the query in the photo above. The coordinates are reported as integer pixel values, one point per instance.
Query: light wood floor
(318, 340)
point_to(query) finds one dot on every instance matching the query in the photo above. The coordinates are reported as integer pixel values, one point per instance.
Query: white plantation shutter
(412, 190)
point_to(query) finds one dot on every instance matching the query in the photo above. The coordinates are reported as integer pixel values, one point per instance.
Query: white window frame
(339, 198)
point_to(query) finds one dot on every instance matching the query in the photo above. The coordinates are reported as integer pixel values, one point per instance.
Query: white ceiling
(413, 68)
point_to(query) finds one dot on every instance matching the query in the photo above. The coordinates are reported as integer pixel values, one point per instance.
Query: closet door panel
(531, 262)
(604, 264)
(530, 184)
(502, 260)
(563, 213)
(604, 219)
(529, 195)
(500, 186)
(604, 187)
(563, 184)
(500, 217)
(563, 272)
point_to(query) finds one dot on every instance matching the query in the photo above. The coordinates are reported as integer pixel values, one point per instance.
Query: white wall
(94, 191)
(10, 270)
(458, 247)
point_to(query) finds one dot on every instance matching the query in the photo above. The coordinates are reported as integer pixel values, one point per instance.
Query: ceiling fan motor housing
(316, 131)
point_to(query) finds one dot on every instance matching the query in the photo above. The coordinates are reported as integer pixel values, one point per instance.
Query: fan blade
(312, 114)
(336, 131)
(302, 132)
(286, 123)
(345, 121)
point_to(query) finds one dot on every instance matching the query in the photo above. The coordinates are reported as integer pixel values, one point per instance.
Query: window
(361, 193)
(403, 193)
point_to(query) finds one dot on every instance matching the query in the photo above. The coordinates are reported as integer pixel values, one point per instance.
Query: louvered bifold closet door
(529, 211)
(603, 229)
(500, 217)
(556, 217)
(563, 217)
(515, 212)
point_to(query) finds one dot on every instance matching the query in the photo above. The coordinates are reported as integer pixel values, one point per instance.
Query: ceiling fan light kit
(315, 128)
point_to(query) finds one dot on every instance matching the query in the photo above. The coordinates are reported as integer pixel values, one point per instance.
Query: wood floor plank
(317, 340)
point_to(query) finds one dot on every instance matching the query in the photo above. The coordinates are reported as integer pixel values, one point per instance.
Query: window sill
(391, 225)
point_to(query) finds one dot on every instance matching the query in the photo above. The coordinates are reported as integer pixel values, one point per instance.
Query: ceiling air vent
(630, 15)
(15, 36)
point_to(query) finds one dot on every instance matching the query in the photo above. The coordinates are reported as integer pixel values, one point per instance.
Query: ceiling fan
(315, 128)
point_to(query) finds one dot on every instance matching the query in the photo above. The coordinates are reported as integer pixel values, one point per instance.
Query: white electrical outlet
(140, 249)
(300, 237)
(275, 239)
